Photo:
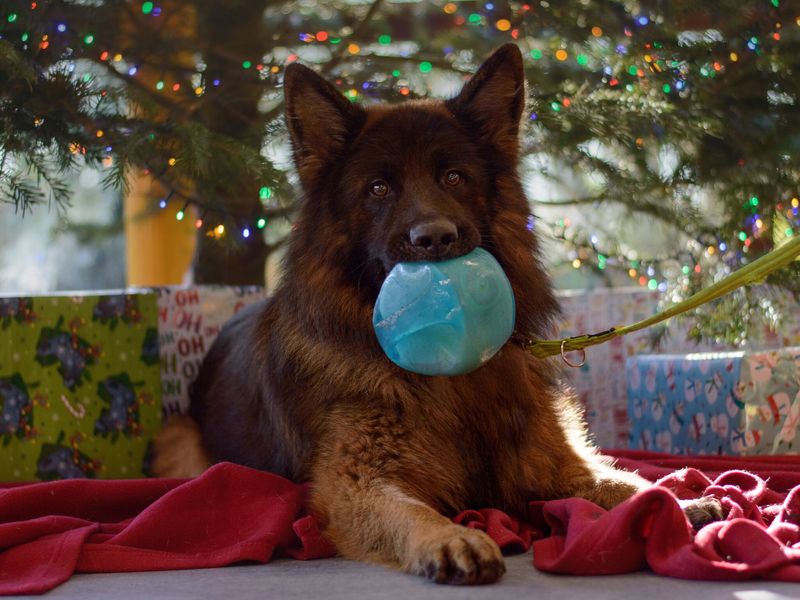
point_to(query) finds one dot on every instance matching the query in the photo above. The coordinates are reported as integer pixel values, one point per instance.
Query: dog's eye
(379, 188)
(453, 177)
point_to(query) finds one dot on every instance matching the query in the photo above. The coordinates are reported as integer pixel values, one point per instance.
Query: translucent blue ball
(445, 318)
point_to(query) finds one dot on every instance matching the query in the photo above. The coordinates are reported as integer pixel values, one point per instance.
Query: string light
(163, 204)
(679, 79)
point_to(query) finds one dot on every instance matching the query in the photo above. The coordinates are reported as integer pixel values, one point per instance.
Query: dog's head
(423, 180)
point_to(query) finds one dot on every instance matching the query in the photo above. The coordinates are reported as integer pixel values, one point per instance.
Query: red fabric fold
(512, 535)
(228, 514)
(759, 538)
(231, 513)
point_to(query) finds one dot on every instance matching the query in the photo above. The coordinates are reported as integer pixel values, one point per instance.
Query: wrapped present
(601, 382)
(595, 383)
(80, 392)
(769, 391)
(189, 320)
(715, 403)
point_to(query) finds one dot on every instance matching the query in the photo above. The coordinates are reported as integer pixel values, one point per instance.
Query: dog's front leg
(364, 499)
(570, 472)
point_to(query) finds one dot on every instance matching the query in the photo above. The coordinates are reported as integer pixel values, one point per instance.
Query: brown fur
(299, 386)
(179, 449)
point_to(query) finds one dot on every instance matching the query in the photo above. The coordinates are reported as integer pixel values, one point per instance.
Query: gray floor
(339, 579)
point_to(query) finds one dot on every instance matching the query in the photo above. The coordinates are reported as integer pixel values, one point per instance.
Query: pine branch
(20, 192)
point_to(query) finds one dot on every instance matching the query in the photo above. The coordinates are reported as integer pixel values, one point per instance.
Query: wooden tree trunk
(159, 248)
(233, 32)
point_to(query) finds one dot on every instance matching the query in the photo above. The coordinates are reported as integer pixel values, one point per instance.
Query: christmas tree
(677, 115)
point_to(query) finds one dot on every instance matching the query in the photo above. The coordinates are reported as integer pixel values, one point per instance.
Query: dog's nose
(434, 236)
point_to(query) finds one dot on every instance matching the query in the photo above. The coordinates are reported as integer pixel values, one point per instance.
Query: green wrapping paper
(80, 386)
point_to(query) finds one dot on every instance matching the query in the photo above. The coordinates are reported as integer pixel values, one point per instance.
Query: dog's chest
(479, 427)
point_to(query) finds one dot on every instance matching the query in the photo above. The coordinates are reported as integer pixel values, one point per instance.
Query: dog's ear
(320, 119)
(493, 100)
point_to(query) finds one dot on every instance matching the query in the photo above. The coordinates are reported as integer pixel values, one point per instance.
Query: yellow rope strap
(755, 271)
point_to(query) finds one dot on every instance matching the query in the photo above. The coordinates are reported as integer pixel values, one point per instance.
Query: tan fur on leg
(179, 449)
(366, 495)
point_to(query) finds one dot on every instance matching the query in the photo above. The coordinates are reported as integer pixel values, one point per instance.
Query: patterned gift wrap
(189, 320)
(82, 378)
(769, 390)
(725, 403)
(597, 383)
(601, 382)
(80, 392)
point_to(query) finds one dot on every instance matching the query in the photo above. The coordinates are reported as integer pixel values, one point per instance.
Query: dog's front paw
(702, 511)
(458, 555)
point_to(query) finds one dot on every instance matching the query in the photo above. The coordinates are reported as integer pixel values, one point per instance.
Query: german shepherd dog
(299, 386)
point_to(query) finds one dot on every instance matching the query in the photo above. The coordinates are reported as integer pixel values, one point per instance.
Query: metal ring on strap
(570, 363)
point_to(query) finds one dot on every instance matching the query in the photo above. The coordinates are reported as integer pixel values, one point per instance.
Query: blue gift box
(740, 403)
(685, 404)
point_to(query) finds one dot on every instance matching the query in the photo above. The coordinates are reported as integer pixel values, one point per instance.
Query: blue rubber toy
(445, 318)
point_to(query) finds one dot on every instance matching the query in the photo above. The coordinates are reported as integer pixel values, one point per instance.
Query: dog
(299, 386)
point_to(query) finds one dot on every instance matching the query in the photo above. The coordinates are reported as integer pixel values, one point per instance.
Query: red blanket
(50, 530)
